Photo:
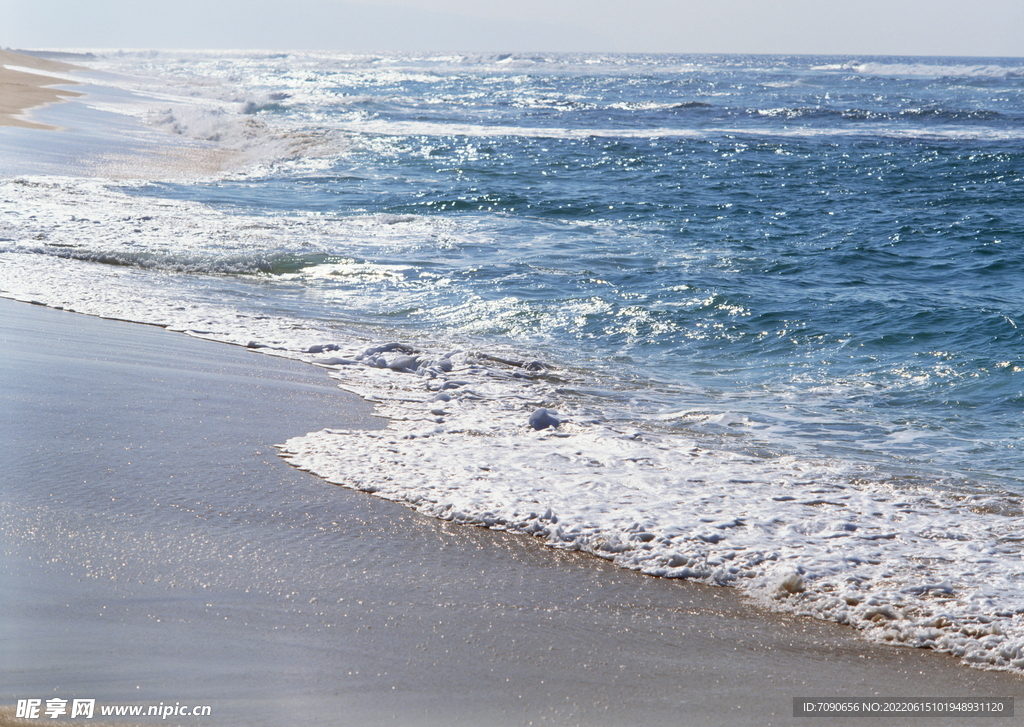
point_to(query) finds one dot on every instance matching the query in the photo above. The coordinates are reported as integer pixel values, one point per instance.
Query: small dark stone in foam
(542, 419)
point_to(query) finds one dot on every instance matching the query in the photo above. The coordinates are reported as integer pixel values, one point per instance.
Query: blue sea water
(806, 264)
(830, 248)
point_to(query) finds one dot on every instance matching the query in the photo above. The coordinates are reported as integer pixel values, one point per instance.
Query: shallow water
(156, 552)
(777, 299)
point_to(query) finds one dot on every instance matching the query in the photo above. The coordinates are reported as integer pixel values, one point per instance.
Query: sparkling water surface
(825, 252)
(777, 299)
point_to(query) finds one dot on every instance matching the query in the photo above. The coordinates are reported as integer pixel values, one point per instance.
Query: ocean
(751, 320)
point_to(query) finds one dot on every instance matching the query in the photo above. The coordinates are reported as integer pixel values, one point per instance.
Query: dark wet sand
(157, 550)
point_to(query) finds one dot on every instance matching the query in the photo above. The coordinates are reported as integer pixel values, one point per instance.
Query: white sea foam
(169, 106)
(904, 561)
(61, 75)
(427, 128)
(900, 70)
(201, 99)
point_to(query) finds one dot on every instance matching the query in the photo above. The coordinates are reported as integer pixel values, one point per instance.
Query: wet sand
(22, 90)
(92, 142)
(157, 550)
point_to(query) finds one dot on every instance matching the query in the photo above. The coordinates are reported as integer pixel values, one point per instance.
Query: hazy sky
(858, 27)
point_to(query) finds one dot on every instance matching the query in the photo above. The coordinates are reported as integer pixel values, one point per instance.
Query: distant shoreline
(21, 91)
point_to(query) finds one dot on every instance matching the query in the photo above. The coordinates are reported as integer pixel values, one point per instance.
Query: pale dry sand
(21, 91)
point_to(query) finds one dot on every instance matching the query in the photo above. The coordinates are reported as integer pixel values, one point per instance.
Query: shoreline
(423, 621)
(93, 142)
(148, 509)
(23, 91)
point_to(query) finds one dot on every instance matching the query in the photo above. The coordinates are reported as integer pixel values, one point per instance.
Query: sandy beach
(92, 142)
(21, 90)
(158, 551)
